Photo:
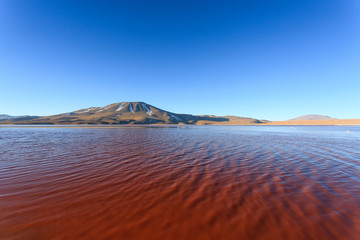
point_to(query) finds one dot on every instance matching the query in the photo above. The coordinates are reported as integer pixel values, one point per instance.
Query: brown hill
(132, 113)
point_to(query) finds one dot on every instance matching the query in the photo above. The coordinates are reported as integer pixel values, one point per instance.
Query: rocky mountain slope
(131, 113)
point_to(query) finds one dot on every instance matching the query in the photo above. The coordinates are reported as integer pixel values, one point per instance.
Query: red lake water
(206, 182)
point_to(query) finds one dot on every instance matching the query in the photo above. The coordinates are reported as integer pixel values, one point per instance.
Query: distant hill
(316, 120)
(5, 117)
(311, 117)
(131, 113)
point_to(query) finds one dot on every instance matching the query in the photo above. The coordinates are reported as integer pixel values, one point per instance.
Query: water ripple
(189, 183)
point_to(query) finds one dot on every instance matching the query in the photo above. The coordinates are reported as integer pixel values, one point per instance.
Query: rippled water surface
(180, 183)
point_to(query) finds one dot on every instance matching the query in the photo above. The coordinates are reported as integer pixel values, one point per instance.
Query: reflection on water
(180, 183)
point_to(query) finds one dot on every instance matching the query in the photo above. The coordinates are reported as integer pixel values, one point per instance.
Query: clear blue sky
(264, 59)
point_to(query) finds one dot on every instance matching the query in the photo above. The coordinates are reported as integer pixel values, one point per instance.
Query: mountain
(4, 117)
(311, 117)
(131, 113)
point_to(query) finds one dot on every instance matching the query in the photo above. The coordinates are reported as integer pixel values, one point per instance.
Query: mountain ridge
(142, 113)
(131, 113)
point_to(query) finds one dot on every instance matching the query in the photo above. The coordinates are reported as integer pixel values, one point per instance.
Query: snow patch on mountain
(104, 108)
(175, 117)
(86, 110)
(120, 107)
(148, 110)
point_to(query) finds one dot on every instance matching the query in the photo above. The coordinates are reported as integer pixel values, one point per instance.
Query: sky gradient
(270, 60)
